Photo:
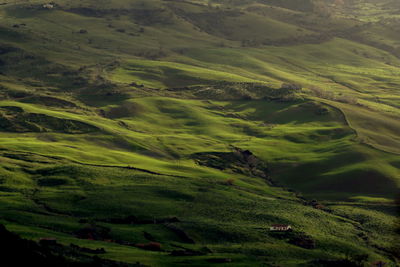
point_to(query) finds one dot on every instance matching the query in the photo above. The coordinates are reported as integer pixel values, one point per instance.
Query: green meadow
(117, 109)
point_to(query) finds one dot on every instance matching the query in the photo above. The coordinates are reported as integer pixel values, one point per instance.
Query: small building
(48, 6)
(280, 227)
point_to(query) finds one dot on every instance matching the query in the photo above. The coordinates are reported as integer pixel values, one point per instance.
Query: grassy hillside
(196, 125)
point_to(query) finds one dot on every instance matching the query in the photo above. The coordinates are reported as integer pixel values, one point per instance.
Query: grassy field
(105, 109)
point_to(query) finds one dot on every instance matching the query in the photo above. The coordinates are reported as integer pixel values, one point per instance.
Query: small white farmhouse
(280, 227)
(48, 6)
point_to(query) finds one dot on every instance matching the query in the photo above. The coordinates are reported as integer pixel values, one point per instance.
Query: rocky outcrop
(238, 161)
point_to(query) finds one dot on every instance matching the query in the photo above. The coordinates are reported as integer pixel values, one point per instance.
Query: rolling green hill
(175, 133)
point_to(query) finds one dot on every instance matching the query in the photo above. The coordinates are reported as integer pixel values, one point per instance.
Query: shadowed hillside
(175, 133)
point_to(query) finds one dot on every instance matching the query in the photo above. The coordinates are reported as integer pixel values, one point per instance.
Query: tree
(321, 8)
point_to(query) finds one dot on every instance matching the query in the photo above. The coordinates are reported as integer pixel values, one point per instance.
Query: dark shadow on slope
(37, 70)
(17, 251)
(320, 179)
(15, 119)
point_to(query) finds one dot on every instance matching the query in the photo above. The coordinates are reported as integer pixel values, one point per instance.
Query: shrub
(303, 240)
(153, 246)
(291, 86)
(230, 181)
(52, 181)
(318, 92)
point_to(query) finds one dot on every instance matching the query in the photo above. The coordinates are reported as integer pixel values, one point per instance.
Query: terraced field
(175, 133)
